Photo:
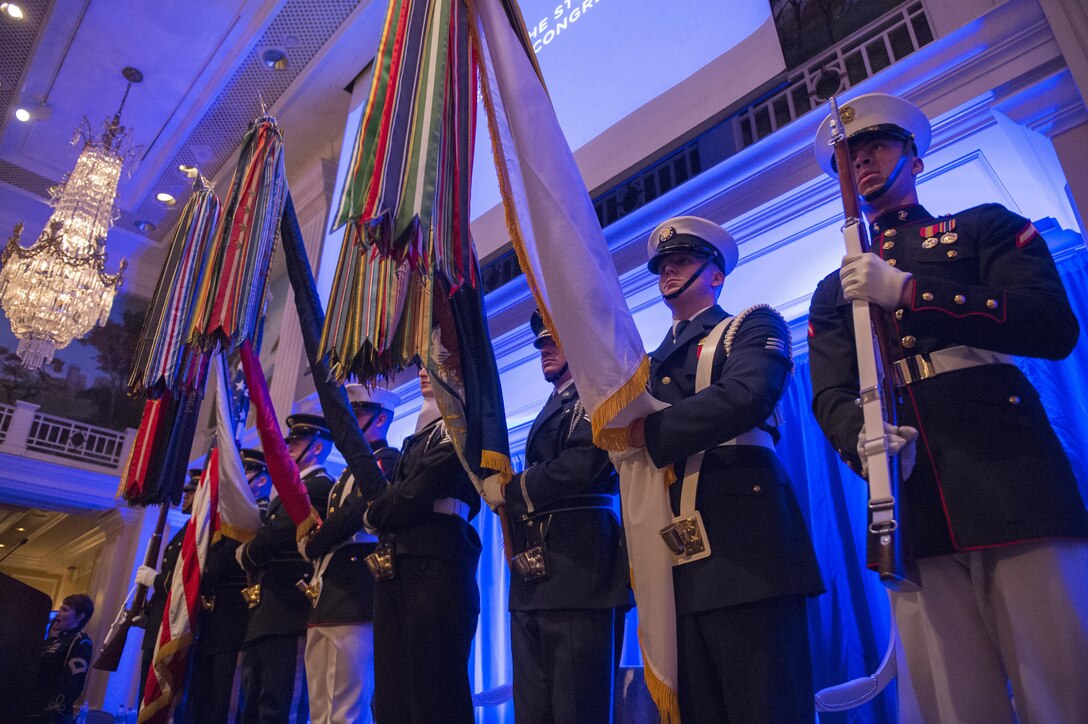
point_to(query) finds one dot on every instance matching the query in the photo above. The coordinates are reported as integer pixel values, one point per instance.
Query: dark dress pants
(564, 665)
(424, 621)
(212, 697)
(274, 681)
(746, 664)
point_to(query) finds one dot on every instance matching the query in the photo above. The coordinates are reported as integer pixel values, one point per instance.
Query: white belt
(451, 506)
(755, 436)
(930, 364)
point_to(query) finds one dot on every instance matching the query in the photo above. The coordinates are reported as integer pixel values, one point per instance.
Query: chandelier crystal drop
(57, 289)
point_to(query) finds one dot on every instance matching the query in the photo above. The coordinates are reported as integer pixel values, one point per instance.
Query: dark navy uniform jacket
(990, 470)
(347, 589)
(760, 546)
(428, 470)
(586, 556)
(223, 628)
(156, 604)
(272, 558)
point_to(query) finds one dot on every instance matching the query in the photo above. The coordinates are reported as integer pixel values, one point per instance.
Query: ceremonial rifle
(877, 390)
(110, 654)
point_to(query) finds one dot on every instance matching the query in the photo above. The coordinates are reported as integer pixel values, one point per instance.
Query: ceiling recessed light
(165, 198)
(144, 225)
(12, 10)
(2, 545)
(22, 114)
(274, 59)
(190, 171)
(20, 530)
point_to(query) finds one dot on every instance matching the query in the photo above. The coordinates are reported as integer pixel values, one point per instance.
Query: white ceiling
(203, 82)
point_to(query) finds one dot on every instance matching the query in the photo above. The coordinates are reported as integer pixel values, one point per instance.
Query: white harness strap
(690, 483)
(703, 373)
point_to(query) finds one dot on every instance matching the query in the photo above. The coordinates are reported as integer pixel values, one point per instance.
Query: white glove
(867, 276)
(494, 494)
(901, 441)
(238, 553)
(145, 576)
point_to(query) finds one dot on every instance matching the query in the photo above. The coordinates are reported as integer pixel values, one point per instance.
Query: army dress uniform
(992, 509)
(62, 672)
(273, 680)
(221, 632)
(567, 614)
(340, 637)
(427, 603)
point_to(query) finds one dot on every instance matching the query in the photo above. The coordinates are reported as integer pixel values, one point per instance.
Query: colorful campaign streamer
(406, 285)
(230, 300)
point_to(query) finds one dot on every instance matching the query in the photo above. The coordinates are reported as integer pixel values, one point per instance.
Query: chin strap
(550, 379)
(874, 195)
(691, 279)
(304, 451)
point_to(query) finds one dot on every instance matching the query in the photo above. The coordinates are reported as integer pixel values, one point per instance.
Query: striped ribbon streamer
(162, 361)
(231, 296)
(405, 201)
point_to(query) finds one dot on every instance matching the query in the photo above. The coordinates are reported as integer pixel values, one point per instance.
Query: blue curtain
(849, 624)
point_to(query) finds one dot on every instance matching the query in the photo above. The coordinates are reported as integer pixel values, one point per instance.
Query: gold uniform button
(959, 299)
(756, 488)
(891, 262)
(899, 314)
(666, 380)
(1014, 400)
(354, 558)
(890, 232)
(991, 304)
(888, 245)
(952, 253)
(927, 296)
(909, 341)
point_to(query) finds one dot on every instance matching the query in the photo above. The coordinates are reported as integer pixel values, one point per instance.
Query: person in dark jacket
(214, 689)
(158, 583)
(991, 507)
(65, 658)
(340, 637)
(568, 583)
(426, 600)
(743, 560)
(273, 677)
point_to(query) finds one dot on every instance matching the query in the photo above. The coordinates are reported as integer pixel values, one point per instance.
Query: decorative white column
(127, 532)
(22, 418)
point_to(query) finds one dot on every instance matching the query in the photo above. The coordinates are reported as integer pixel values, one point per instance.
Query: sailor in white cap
(991, 507)
(743, 560)
(340, 637)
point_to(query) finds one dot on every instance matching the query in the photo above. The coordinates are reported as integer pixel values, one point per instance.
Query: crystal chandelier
(57, 289)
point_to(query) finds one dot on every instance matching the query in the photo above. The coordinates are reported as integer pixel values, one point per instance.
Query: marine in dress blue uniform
(742, 635)
(991, 507)
(273, 677)
(340, 637)
(568, 585)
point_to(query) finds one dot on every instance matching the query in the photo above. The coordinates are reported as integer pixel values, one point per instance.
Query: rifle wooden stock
(109, 656)
(507, 541)
(878, 394)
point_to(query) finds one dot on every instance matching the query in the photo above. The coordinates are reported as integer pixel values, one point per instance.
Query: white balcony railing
(26, 431)
(861, 55)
